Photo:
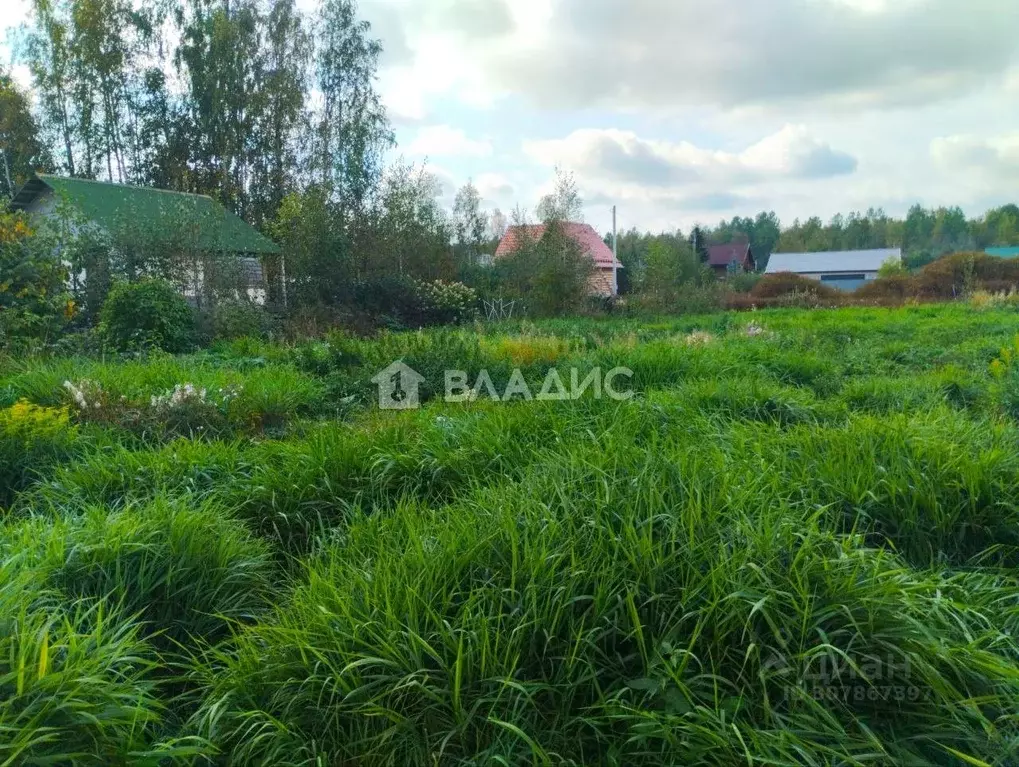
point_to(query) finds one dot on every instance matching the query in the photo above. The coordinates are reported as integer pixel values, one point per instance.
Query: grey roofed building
(842, 269)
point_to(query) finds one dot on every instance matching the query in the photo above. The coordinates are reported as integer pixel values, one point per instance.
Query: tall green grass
(185, 574)
(595, 628)
(795, 545)
(77, 683)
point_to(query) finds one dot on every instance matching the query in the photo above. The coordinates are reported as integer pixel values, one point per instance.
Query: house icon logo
(398, 387)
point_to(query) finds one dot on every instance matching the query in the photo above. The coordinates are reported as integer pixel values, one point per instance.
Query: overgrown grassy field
(797, 544)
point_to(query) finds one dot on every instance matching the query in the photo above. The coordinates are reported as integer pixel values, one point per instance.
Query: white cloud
(875, 81)
(22, 76)
(495, 189)
(1012, 83)
(405, 101)
(875, 6)
(622, 157)
(15, 13)
(988, 159)
(444, 141)
(667, 184)
(650, 54)
(425, 56)
(794, 153)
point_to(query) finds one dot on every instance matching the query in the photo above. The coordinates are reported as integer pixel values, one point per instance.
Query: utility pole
(615, 255)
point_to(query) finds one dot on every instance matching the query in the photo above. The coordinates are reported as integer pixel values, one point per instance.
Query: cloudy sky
(683, 111)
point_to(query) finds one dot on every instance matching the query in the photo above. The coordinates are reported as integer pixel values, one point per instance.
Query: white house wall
(44, 206)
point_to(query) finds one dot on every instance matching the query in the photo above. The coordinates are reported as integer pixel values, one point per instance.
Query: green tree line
(274, 112)
(243, 100)
(924, 235)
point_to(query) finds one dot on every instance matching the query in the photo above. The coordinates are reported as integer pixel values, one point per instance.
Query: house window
(847, 282)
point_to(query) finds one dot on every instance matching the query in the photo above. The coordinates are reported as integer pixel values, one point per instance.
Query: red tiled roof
(583, 234)
(723, 255)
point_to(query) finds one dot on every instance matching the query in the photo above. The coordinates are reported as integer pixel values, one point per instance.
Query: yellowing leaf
(966, 758)
(44, 655)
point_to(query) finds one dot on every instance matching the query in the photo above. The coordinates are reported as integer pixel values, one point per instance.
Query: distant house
(845, 270)
(158, 218)
(604, 282)
(735, 256)
(1003, 252)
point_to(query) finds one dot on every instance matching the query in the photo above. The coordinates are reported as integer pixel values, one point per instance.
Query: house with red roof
(736, 255)
(604, 281)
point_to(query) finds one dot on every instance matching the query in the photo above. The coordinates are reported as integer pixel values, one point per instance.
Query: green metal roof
(1003, 252)
(153, 214)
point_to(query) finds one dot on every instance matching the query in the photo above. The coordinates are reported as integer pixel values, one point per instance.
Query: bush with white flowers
(447, 302)
(184, 410)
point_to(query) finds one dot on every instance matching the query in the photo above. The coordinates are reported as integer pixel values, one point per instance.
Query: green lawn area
(796, 544)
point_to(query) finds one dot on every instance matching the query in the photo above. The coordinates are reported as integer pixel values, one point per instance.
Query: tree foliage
(564, 203)
(239, 123)
(34, 302)
(548, 271)
(22, 151)
(670, 264)
(550, 274)
(469, 224)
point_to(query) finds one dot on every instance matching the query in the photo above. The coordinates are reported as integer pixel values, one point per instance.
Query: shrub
(551, 276)
(91, 251)
(147, 314)
(215, 410)
(600, 306)
(312, 321)
(745, 302)
(445, 303)
(788, 283)
(891, 287)
(93, 404)
(669, 267)
(34, 302)
(694, 298)
(917, 259)
(230, 320)
(893, 267)
(954, 275)
(394, 301)
(188, 411)
(743, 282)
